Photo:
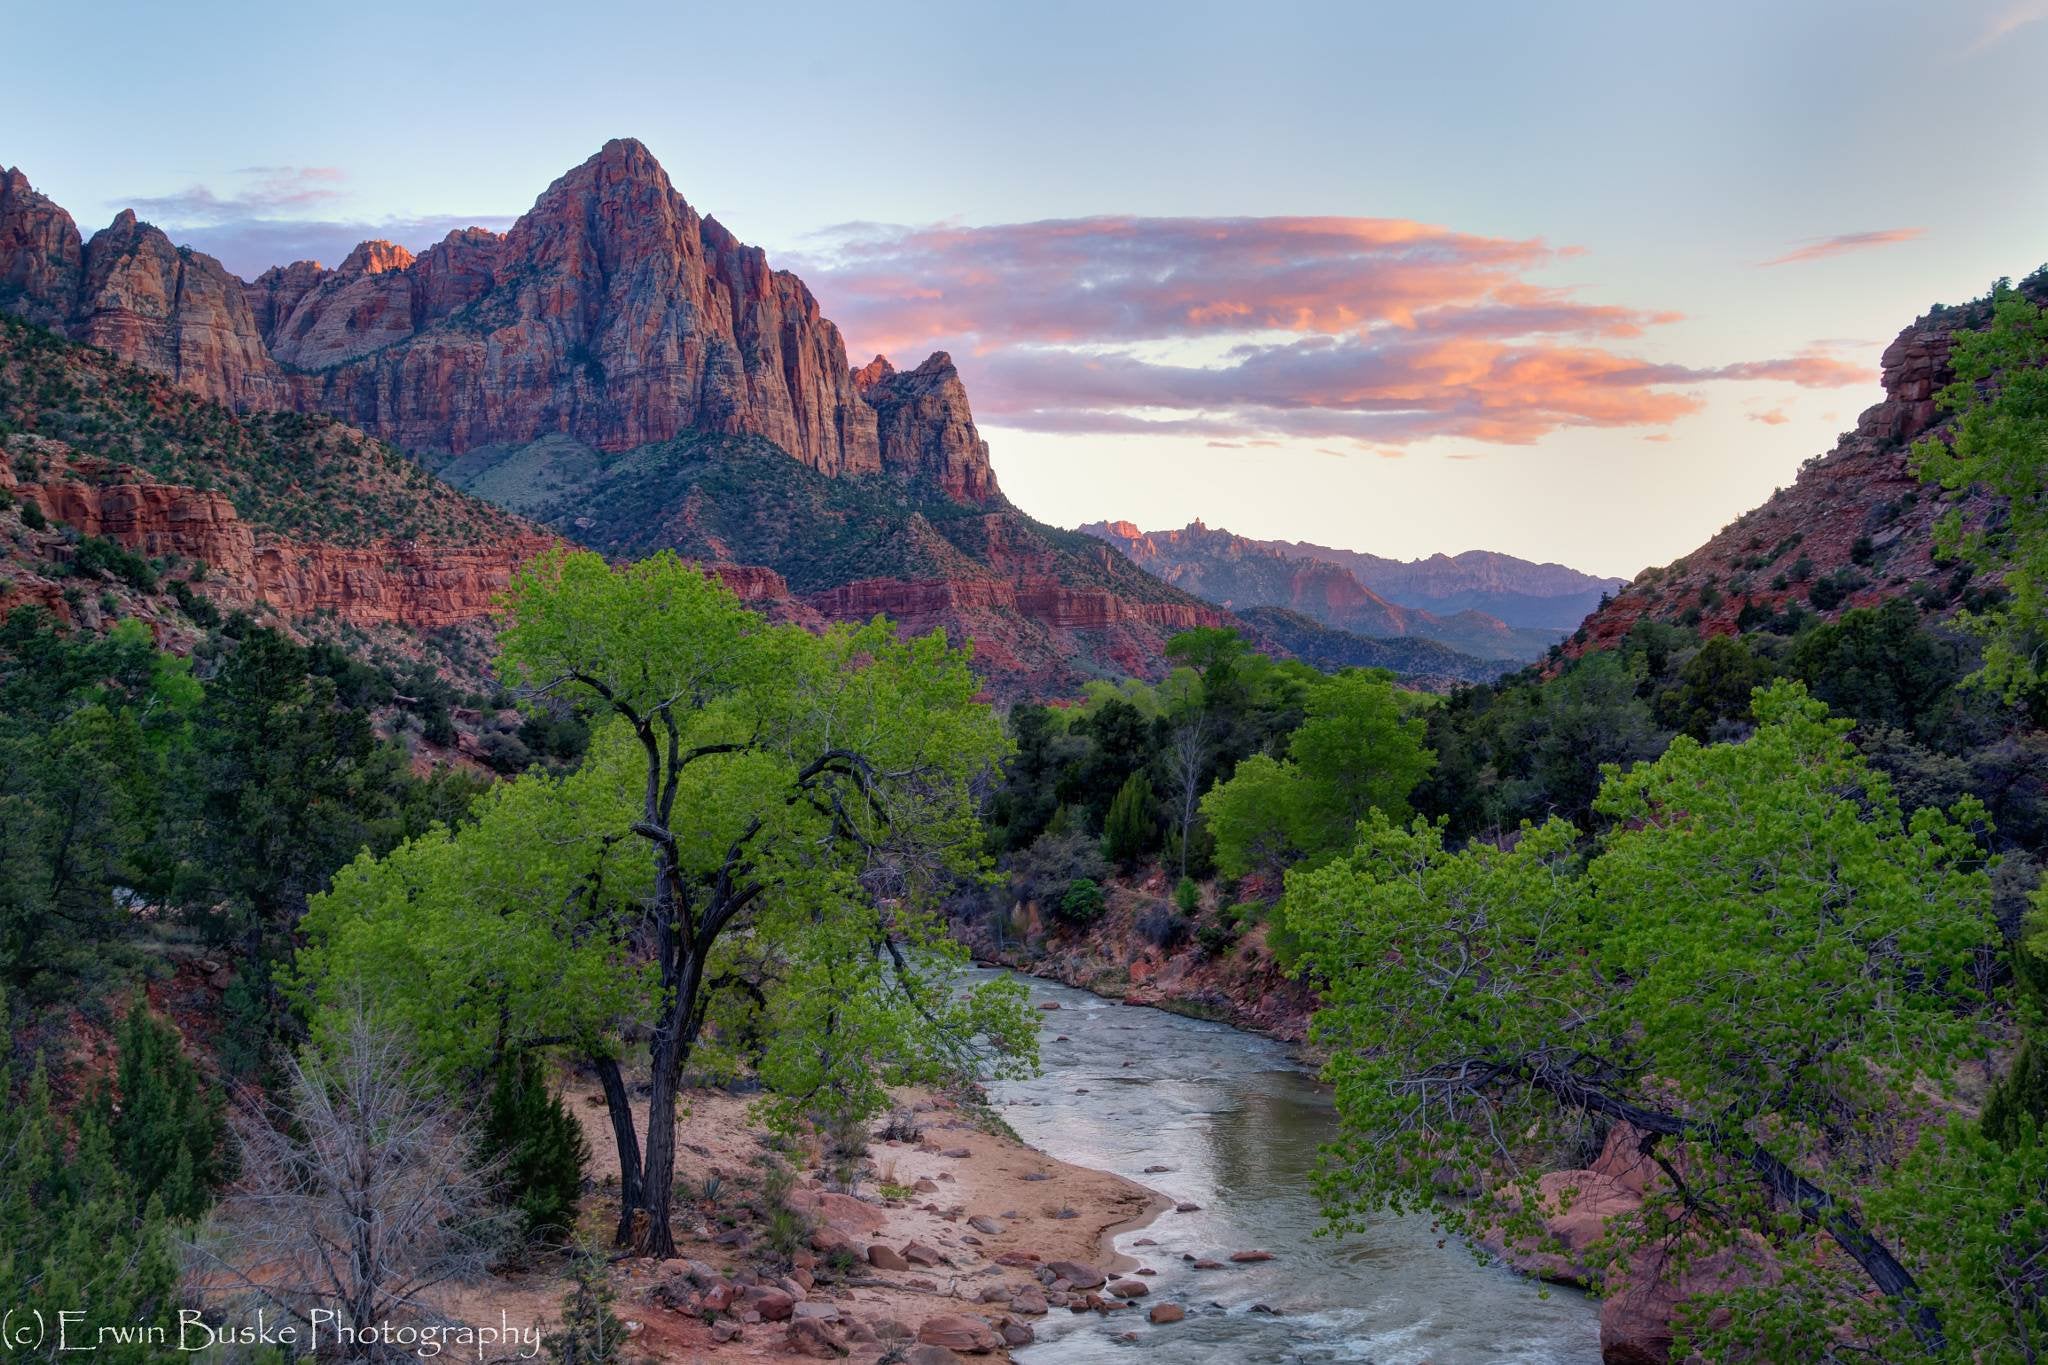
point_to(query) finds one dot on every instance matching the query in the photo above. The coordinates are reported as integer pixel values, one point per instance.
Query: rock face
(176, 312)
(393, 582)
(612, 312)
(924, 426)
(1854, 529)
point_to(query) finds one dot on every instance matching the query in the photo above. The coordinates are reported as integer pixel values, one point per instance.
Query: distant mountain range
(1434, 599)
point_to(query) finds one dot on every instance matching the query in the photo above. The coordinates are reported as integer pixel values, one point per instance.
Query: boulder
(1079, 1274)
(1166, 1312)
(886, 1258)
(1130, 1289)
(958, 1332)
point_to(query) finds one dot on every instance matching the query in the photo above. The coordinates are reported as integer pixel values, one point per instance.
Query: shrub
(542, 1148)
(33, 518)
(1187, 895)
(590, 1333)
(1163, 927)
(1082, 904)
(1217, 937)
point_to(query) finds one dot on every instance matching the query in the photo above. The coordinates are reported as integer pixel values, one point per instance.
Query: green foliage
(536, 1144)
(73, 1235)
(806, 799)
(94, 557)
(1762, 961)
(1082, 902)
(1359, 748)
(1128, 831)
(163, 1125)
(2018, 1103)
(1999, 439)
(1187, 895)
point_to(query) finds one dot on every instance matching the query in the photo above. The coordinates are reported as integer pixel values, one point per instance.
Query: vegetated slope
(1855, 527)
(1547, 596)
(127, 496)
(1428, 664)
(1240, 573)
(1047, 609)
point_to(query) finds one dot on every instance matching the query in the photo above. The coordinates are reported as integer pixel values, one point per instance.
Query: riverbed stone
(1163, 1313)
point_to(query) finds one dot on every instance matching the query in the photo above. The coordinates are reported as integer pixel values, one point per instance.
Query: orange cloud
(1379, 333)
(1771, 418)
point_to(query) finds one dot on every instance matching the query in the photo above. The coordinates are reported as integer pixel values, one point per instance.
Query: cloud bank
(1380, 333)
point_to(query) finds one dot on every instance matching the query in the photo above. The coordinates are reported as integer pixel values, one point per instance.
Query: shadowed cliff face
(612, 312)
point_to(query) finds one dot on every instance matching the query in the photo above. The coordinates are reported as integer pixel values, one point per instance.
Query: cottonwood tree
(1765, 968)
(358, 1195)
(748, 858)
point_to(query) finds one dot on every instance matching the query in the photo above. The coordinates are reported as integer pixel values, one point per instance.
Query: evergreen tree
(539, 1144)
(1127, 832)
(166, 1129)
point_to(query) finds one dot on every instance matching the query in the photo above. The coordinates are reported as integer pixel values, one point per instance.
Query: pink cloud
(1772, 417)
(1820, 248)
(1369, 332)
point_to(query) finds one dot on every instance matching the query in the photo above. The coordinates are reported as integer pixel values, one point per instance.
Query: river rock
(1250, 1257)
(1130, 1289)
(1079, 1274)
(982, 1223)
(886, 1258)
(1166, 1312)
(917, 1253)
(958, 1332)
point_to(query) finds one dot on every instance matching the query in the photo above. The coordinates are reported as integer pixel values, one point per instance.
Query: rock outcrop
(924, 426)
(416, 584)
(1855, 528)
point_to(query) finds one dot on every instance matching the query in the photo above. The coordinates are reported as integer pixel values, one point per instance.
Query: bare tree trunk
(625, 1138)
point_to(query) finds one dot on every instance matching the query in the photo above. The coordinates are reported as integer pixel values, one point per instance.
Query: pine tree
(531, 1132)
(1127, 831)
(166, 1128)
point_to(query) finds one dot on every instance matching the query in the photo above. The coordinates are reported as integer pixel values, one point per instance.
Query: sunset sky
(1574, 281)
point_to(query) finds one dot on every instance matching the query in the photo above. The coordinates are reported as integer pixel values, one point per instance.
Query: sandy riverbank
(955, 1267)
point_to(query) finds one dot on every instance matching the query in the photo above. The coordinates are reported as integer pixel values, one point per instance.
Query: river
(1237, 1122)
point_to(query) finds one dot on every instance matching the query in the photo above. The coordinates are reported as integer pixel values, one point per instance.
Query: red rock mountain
(1855, 527)
(616, 323)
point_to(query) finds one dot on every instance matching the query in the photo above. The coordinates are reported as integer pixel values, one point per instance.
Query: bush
(1055, 861)
(99, 558)
(542, 1148)
(1163, 927)
(1187, 895)
(1082, 904)
(33, 518)
(590, 1334)
(1217, 937)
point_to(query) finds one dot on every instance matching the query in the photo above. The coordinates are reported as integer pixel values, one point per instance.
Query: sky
(1575, 281)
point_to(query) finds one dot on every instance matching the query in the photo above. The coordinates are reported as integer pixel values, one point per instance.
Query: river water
(1238, 1123)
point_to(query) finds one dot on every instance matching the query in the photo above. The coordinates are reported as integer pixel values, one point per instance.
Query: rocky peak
(611, 312)
(926, 428)
(40, 254)
(375, 257)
